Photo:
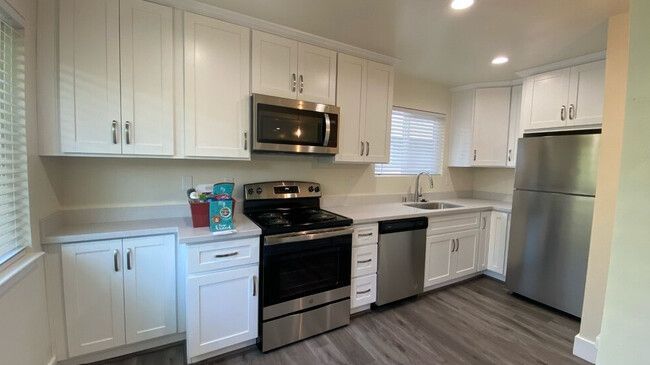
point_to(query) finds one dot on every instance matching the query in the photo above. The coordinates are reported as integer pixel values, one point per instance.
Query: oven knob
(259, 191)
(317, 189)
(250, 191)
(311, 189)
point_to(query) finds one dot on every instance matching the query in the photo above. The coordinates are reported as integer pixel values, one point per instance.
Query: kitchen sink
(432, 205)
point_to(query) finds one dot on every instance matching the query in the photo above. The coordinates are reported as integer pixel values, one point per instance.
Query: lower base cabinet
(118, 292)
(363, 271)
(221, 309)
(364, 291)
(497, 248)
(450, 255)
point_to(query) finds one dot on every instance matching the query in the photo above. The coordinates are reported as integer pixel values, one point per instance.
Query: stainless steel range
(305, 262)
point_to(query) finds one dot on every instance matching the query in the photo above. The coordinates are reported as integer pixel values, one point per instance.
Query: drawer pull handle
(229, 254)
(365, 234)
(364, 261)
(364, 291)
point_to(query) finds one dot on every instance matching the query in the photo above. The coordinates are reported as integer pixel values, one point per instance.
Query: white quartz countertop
(180, 226)
(369, 213)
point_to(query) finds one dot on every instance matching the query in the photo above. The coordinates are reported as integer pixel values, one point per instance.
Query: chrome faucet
(418, 194)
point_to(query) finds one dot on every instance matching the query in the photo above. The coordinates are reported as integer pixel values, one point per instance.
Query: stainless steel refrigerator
(553, 201)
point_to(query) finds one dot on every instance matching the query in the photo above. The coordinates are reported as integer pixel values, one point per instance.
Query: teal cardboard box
(221, 212)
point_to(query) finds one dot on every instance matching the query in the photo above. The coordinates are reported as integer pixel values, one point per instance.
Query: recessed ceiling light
(500, 60)
(461, 4)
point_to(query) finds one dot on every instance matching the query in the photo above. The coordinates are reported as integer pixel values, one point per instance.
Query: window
(15, 232)
(417, 142)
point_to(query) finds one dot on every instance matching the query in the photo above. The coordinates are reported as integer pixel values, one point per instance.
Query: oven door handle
(328, 130)
(307, 235)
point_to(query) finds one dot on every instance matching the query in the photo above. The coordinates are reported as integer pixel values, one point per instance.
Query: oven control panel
(282, 190)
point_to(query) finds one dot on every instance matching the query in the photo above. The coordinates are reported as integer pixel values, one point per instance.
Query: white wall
(626, 317)
(496, 182)
(99, 182)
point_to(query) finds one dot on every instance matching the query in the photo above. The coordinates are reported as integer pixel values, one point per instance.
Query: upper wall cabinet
(365, 95)
(290, 69)
(480, 127)
(217, 94)
(116, 77)
(570, 97)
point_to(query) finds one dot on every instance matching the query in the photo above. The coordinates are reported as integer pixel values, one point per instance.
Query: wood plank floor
(475, 322)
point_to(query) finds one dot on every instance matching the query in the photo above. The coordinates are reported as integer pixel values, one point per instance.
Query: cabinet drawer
(220, 255)
(453, 223)
(364, 291)
(364, 260)
(365, 234)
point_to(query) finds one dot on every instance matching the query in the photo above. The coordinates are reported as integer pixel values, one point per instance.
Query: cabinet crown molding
(591, 57)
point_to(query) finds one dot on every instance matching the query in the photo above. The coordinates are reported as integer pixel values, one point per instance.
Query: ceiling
(437, 43)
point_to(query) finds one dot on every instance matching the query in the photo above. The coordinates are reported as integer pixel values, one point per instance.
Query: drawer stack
(364, 266)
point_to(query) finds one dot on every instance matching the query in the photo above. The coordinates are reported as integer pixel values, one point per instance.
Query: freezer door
(548, 249)
(560, 163)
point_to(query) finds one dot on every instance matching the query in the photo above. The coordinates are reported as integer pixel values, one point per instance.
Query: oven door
(305, 270)
(286, 125)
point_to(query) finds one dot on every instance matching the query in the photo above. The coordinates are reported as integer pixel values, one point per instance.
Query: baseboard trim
(585, 349)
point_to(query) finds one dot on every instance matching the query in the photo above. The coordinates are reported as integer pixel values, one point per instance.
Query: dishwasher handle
(402, 225)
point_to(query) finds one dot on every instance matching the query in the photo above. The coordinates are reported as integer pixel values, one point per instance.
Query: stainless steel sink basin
(432, 205)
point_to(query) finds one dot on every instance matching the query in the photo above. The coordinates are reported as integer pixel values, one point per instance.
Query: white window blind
(15, 232)
(417, 143)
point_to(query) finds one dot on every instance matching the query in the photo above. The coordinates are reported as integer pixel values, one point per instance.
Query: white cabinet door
(149, 287)
(462, 128)
(466, 255)
(484, 240)
(438, 259)
(316, 74)
(548, 100)
(379, 106)
(89, 79)
(586, 95)
(491, 121)
(274, 65)
(364, 260)
(498, 243)
(93, 296)
(147, 74)
(351, 99)
(514, 132)
(217, 93)
(221, 309)
(363, 290)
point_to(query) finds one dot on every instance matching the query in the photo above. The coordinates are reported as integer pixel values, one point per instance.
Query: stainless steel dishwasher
(400, 272)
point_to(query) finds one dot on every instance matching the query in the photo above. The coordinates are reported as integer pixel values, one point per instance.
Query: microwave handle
(328, 129)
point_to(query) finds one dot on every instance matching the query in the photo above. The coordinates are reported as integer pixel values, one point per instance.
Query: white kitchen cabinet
(491, 122)
(365, 234)
(93, 291)
(364, 291)
(586, 94)
(89, 79)
(147, 78)
(290, 69)
(364, 260)
(118, 292)
(480, 120)
(498, 243)
(514, 132)
(149, 287)
(217, 92)
(484, 240)
(564, 99)
(438, 259)
(466, 254)
(221, 309)
(365, 96)
(116, 77)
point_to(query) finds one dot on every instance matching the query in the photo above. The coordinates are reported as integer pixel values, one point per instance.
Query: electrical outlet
(187, 182)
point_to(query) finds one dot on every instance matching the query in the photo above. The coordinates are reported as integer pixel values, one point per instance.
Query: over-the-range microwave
(294, 126)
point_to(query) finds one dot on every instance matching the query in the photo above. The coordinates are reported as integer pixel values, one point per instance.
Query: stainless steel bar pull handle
(362, 148)
(114, 131)
(293, 82)
(245, 141)
(367, 148)
(365, 234)
(572, 112)
(563, 112)
(364, 291)
(127, 128)
(229, 254)
(474, 155)
(364, 261)
(302, 83)
(484, 223)
(116, 264)
(509, 155)
(128, 259)
(254, 285)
